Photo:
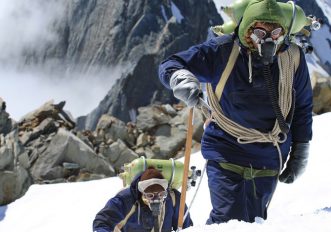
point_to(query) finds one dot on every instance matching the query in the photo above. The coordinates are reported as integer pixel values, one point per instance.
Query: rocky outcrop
(14, 178)
(111, 129)
(6, 123)
(159, 133)
(321, 36)
(50, 149)
(321, 93)
(118, 154)
(65, 148)
(53, 153)
(140, 86)
(138, 33)
(102, 32)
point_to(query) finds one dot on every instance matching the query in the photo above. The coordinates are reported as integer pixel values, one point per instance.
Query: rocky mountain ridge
(131, 96)
(137, 117)
(135, 34)
(46, 147)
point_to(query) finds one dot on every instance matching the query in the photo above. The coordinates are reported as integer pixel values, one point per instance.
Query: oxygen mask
(154, 191)
(267, 42)
(154, 200)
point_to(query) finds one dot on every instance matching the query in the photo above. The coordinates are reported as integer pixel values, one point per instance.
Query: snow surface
(304, 206)
(176, 12)
(220, 3)
(325, 6)
(164, 13)
(322, 43)
(313, 63)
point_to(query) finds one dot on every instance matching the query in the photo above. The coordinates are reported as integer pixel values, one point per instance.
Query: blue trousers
(234, 197)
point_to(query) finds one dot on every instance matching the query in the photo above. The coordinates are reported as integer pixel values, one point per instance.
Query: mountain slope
(303, 206)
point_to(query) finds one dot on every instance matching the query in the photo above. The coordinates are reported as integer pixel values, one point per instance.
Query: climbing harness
(249, 173)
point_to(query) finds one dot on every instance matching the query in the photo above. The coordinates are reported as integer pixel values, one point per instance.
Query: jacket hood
(260, 11)
(134, 187)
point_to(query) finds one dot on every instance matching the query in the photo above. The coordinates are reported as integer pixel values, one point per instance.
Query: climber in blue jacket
(262, 117)
(147, 204)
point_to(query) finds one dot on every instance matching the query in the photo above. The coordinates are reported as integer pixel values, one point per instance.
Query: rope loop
(282, 137)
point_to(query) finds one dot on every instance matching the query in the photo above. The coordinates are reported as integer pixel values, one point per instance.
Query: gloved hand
(185, 86)
(296, 164)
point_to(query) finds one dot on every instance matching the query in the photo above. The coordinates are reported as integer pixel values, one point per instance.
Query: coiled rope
(288, 62)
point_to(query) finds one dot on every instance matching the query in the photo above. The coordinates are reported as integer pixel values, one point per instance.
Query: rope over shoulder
(249, 135)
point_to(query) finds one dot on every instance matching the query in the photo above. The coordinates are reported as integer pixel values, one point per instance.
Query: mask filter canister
(268, 50)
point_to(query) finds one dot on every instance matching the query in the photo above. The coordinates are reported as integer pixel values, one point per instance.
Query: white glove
(186, 87)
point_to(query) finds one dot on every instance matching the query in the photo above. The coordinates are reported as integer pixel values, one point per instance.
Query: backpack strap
(122, 223)
(295, 50)
(288, 63)
(173, 197)
(227, 71)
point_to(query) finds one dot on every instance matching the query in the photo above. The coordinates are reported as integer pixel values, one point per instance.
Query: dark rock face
(312, 8)
(6, 123)
(321, 93)
(66, 147)
(139, 88)
(45, 146)
(14, 178)
(138, 34)
(155, 35)
(107, 32)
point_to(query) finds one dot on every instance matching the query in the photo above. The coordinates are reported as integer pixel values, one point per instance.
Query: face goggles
(261, 33)
(143, 185)
(267, 42)
(155, 195)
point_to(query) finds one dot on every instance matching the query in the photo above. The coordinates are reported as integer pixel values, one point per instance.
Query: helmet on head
(260, 11)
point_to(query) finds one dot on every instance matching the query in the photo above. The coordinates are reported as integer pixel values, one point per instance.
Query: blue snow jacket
(118, 207)
(243, 102)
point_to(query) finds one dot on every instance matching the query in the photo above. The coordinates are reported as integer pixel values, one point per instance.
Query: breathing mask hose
(284, 127)
(156, 223)
(156, 209)
(291, 113)
(294, 13)
(268, 50)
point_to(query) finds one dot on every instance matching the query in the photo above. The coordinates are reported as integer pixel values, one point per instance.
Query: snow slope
(325, 6)
(304, 206)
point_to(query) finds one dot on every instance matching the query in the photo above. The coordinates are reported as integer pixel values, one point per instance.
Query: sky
(303, 206)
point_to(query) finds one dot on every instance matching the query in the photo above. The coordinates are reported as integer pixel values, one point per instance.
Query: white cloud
(28, 90)
(27, 25)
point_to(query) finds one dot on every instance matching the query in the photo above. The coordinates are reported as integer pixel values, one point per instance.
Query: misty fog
(29, 25)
